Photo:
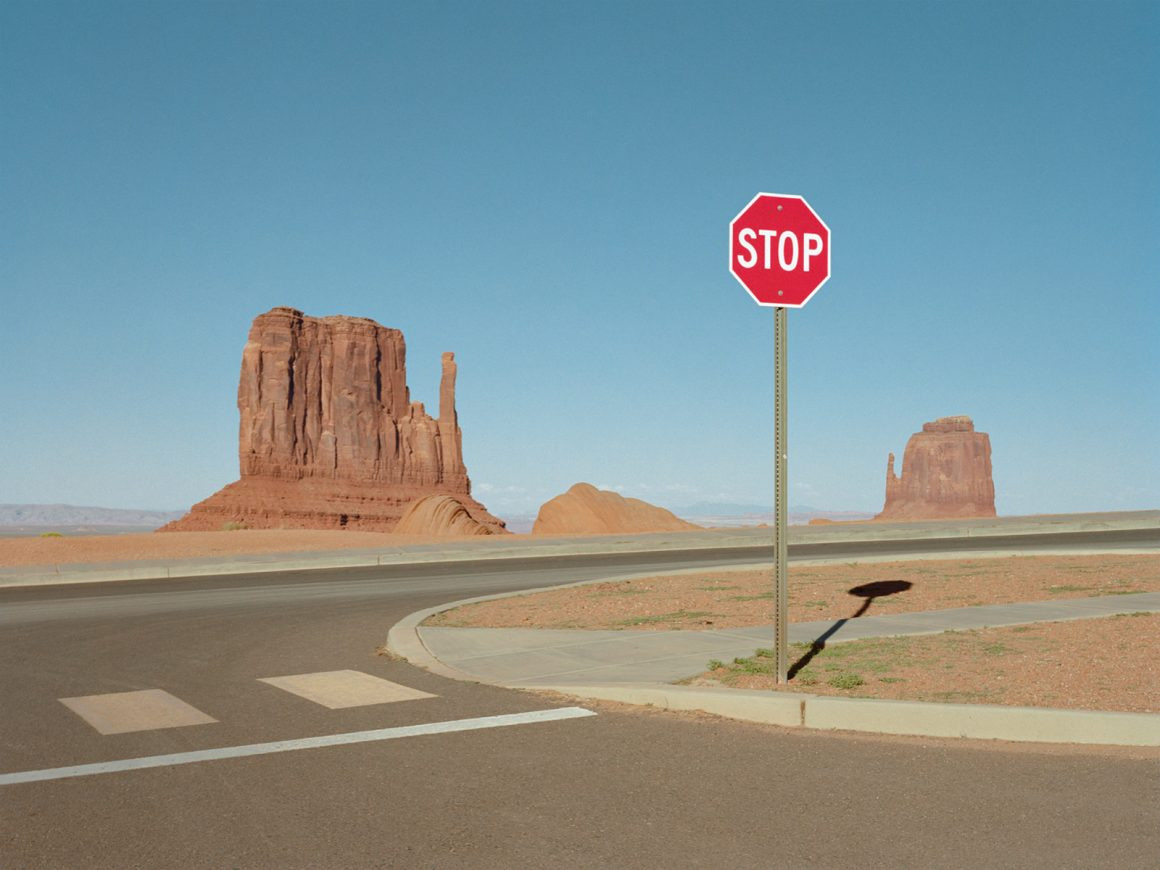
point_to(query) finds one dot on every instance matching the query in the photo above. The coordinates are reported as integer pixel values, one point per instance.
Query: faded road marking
(147, 710)
(341, 689)
(451, 727)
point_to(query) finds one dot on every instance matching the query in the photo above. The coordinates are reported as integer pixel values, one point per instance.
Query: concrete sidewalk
(638, 667)
(552, 657)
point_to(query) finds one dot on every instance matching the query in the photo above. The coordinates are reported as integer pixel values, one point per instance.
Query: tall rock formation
(586, 510)
(946, 474)
(329, 436)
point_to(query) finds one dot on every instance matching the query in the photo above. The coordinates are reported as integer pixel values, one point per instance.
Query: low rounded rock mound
(585, 510)
(442, 515)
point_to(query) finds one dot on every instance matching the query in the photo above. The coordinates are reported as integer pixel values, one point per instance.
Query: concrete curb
(821, 712)
(747, 705)
(984, 721)
(872, 715)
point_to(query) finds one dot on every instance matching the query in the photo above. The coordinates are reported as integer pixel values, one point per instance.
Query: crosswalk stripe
(341, 689)
(144, 710)
(196, 756)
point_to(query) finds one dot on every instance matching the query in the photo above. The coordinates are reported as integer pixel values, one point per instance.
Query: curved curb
(878, 716)
(821, 712)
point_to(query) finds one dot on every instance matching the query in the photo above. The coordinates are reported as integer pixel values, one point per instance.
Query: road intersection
(619, 788)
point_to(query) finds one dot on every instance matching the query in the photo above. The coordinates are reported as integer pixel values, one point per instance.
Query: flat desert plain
(84, 549)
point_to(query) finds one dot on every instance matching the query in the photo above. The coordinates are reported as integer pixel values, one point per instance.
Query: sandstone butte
(329, 437)
(584, 509)
(946, 474)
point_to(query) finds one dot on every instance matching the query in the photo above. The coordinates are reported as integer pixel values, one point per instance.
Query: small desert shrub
(845, 681)
(750, 666)
(51, 535)
(234, 526)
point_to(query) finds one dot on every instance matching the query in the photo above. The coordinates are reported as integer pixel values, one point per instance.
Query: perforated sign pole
(779, 250)
(781, 569)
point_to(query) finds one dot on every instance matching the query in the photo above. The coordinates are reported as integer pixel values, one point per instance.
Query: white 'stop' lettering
(790, 251)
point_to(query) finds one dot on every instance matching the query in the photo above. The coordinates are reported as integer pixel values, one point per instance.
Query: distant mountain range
(719, 509)
(797, 512)
(73, 515)
(728, 508)
(796, 516)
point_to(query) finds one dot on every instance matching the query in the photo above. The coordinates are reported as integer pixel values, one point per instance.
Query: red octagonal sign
(779, 249)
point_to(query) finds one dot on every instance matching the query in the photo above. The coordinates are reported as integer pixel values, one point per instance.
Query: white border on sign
(829, 240)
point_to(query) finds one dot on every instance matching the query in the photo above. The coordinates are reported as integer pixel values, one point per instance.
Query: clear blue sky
(545, 188)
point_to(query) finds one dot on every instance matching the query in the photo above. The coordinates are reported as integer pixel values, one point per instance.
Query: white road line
(292, 745)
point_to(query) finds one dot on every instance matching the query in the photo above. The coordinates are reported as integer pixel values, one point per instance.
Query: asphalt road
(624, 788)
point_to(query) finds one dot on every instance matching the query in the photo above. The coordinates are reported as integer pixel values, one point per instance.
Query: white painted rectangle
(338, 690)
(145, 710)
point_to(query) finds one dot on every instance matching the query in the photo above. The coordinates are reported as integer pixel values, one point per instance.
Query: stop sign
(779, 249)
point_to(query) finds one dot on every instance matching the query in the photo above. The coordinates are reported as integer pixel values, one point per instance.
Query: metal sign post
(780, 569)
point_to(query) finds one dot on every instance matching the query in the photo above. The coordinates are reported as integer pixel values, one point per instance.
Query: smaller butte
(946, 474)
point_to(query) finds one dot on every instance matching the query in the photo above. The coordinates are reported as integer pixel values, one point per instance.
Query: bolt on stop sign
(779, 249)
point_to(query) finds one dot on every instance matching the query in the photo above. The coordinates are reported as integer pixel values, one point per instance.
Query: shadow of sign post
(868, 592)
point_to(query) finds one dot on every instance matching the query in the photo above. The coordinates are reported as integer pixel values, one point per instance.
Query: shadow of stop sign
(779, 249)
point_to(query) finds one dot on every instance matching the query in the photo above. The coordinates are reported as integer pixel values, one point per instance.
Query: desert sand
(742, 599)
